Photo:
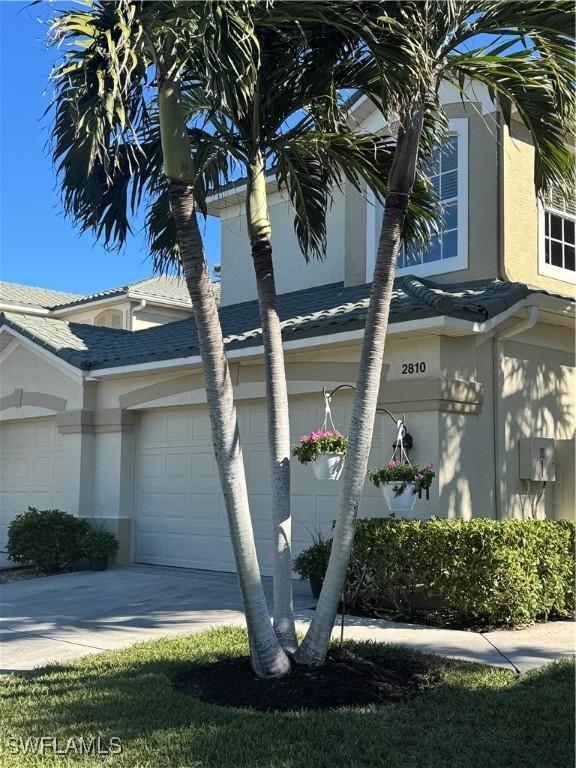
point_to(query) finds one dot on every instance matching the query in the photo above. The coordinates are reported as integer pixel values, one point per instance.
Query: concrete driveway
(58, 618)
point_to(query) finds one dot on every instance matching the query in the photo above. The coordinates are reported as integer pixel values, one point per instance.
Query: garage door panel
(148, 505)
(183, 437)
(42, 468)
(264, 551)
(176, 506)
(201, 428)
(260, 507)
(225, 554)
(58, 468)
(43, 436)
(177, 466)
(258, 421)
(151, 545)
(204, 509)
(20, 469)
(31, 469)
(178, 430)
(258, 466)
(151, 466)
(41, 500)
(203, 466)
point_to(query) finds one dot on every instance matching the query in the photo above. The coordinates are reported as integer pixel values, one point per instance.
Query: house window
(557, 256)
(448, 171)
(109, 318)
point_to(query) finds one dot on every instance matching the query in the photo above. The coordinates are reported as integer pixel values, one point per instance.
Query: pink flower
(430, 465)
(318, 434)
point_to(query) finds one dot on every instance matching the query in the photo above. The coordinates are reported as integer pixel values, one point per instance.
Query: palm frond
(526, 85)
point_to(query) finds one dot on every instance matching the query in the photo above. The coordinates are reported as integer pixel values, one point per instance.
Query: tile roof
(29, 296)
(76, 343)
(164, 287)
(320, 311)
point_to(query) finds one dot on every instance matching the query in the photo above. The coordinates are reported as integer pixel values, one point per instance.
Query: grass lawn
(475, 716)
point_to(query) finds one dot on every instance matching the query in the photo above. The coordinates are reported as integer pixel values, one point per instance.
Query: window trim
(458, 126)
(550, 270)
(108, 313)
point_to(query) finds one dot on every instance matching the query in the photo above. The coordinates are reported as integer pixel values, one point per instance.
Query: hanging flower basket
(400, 482)
(328, 466)
(325, 450)
(401, 502)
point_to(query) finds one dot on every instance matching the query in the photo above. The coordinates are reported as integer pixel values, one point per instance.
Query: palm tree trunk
(268, 658)
(277, 403)
(313, 650)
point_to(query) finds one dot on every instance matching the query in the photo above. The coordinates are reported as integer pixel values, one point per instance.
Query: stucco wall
(291, 270)
(537, 401)
(466, 471)
(27, 370)
(152, 316)
(521, 219)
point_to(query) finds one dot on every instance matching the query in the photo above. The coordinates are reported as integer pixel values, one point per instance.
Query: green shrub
(97, 542)
(49, 539)
(465, 572)
(312, 562)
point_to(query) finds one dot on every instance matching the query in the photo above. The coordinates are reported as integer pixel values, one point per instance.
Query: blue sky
(38, 246)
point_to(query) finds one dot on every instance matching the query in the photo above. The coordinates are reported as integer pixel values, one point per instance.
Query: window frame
(457, 126)
(109, 312)
(550, 270)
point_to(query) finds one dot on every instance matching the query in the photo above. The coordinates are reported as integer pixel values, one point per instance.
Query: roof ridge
(433, 297)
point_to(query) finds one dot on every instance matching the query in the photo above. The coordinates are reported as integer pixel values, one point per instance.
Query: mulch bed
(345, 680)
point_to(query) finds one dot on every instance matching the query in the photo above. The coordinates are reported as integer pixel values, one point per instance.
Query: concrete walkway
(58, 618)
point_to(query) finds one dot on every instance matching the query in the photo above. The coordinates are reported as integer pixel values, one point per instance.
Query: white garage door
(179, 511)
(30, 469)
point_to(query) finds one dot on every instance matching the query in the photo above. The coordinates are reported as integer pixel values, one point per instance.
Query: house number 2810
(408, 368)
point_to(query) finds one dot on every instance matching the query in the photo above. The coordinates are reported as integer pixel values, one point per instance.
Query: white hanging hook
(399, 450)
(327, 411)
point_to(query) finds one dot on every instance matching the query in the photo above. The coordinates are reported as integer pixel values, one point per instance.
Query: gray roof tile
(316, 312)
(30, 296)
(165, 287)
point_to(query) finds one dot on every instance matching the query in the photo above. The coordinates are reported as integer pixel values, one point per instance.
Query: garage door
(179, 510)
(30, 469)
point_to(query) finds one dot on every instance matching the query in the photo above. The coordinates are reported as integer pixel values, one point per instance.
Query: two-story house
(106, 418)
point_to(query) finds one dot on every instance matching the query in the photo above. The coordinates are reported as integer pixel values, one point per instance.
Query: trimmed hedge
(49, 539)
(465, 572)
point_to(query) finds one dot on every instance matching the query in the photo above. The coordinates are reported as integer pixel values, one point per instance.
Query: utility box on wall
(537, 459)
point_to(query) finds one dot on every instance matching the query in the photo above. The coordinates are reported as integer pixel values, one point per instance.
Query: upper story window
(557, 240)
(109, 318)
(448, 171)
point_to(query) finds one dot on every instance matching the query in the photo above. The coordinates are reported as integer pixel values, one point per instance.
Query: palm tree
(297, 86)
(525, 58)
(295, 127)
(101, 110)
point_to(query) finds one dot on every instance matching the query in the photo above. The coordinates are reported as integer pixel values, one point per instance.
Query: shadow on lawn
(475, 717)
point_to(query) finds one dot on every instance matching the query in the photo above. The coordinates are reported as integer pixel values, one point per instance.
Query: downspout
(138, 308)
(498, 390)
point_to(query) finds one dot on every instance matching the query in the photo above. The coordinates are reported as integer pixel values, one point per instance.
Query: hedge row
(477, 571)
